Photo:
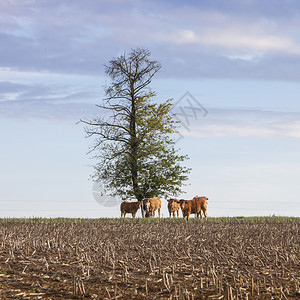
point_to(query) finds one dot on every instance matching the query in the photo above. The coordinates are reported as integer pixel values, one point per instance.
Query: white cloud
(291, 129)
(186, 37)
(233, 130)
(236, 42)
(249, 57)
(242, 123)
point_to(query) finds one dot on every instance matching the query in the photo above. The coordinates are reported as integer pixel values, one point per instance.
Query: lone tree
(133, 144)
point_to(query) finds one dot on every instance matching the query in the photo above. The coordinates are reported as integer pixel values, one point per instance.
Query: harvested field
(255, 258)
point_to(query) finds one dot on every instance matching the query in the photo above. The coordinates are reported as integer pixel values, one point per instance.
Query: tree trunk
(142, 211)
(134, 150)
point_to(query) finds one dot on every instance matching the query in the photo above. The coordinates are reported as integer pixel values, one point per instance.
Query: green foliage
(158, 164)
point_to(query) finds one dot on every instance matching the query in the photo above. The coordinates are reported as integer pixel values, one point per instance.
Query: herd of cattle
(195, 206)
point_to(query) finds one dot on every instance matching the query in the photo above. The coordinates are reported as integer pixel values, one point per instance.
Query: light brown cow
(151, 205)
(173, 207)
(130, 208)
(194, 206)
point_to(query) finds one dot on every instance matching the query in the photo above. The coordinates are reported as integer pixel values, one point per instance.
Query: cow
(187, 207)
(194, 206)
(201, 206)
(151, 205)
(130, 208)
(173, 207)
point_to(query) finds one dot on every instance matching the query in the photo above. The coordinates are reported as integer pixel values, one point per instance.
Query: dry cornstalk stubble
(150, 259)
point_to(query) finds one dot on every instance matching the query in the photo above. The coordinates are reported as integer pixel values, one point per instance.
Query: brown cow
(194, 206)
(173, 206)
(151, 205)
(188, 207)
(201, 206)
(130, 208)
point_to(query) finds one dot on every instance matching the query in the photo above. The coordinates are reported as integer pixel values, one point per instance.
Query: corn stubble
(156, 259)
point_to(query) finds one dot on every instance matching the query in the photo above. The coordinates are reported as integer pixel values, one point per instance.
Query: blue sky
(239, 59)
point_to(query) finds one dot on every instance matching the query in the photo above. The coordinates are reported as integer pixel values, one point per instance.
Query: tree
(133, 144)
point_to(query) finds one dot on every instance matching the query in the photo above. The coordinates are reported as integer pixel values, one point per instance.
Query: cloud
(243, 123)
(230, 39)
(57, 109)
(228, 33)
(290, 129)
(27, 95)
(248, 39)
(260, 43)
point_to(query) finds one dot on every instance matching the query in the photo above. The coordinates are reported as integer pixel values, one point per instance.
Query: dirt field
(150, 259)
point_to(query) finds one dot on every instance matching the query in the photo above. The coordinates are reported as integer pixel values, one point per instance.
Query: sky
(231, 67)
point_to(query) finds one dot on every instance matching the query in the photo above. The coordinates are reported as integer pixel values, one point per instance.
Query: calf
(173, 207)
(129, 208)
(151, 205)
